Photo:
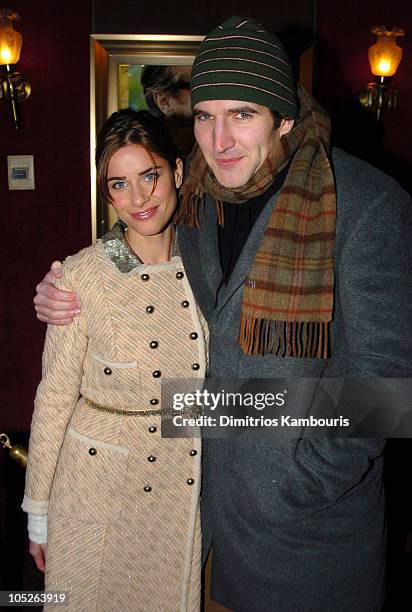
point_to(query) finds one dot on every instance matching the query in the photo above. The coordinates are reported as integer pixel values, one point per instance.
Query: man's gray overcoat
(298, 524)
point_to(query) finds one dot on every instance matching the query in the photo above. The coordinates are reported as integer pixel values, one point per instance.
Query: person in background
(113, 509)
(167, 90)
(167, 93)
(299, 256)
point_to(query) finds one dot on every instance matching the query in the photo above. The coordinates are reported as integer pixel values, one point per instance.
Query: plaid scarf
(287, 301)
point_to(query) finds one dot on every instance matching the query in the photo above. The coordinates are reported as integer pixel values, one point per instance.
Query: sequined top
(120, 253)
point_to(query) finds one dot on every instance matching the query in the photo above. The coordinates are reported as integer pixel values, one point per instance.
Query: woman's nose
(140, 195)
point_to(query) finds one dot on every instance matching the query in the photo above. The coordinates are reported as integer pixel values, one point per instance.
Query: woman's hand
(53, 305)
(38, 552)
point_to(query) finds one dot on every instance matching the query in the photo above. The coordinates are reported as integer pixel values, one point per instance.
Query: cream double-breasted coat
(122, 502)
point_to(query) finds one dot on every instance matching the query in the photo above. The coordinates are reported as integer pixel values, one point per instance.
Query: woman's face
(143, 189)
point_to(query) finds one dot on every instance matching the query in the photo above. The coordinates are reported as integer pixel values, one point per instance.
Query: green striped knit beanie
(239, 60)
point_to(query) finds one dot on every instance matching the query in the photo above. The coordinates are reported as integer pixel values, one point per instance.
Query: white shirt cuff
(37, 527)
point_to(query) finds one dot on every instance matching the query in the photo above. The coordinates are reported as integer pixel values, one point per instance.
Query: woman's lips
(145, 214)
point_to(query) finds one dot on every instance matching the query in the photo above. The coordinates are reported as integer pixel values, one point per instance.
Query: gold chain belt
(149, 412)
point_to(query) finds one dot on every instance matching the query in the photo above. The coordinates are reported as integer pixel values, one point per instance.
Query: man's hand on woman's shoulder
(53, 305)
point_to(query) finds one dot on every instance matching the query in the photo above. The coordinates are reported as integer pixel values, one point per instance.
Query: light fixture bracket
(21, 86)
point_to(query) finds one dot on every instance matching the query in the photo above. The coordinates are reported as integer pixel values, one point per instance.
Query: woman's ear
(178, 172)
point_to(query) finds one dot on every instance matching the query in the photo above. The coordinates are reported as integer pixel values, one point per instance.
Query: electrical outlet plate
(20, 171)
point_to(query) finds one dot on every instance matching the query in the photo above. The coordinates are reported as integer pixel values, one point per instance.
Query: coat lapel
(200, 256)
(209, 246)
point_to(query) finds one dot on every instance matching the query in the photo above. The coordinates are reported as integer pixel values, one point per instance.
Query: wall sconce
(13, 85)
(384, 59)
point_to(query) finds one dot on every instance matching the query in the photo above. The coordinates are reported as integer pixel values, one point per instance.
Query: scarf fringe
(284, 338)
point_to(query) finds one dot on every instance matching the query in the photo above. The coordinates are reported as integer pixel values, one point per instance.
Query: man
(299, 261)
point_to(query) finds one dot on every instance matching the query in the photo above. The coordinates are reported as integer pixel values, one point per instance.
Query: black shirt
(238, 222)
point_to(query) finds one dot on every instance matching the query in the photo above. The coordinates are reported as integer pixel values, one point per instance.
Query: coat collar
(119, 252)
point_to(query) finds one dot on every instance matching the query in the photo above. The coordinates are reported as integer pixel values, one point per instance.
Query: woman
(121, 504)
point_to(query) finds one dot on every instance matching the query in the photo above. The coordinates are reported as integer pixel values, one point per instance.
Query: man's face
(236, 138)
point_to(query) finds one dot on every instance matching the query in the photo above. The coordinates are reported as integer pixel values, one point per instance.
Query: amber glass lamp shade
(385, 55)
(10, 40)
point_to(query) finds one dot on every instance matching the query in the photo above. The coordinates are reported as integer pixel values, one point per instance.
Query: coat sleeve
(375, 293)
(56, 397)
(375, 288)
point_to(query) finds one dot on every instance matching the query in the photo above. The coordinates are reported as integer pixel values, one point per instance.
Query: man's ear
(285, 126)
(162, 101)
(178, 172)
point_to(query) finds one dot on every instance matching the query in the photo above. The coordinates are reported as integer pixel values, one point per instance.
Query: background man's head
(167, 90)
(244, 99)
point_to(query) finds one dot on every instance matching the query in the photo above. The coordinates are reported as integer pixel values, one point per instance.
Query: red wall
(54, 219)
(343, 69)
(185, 17)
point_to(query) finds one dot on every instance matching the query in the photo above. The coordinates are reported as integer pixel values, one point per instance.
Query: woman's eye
(119, 185)
(151, 177)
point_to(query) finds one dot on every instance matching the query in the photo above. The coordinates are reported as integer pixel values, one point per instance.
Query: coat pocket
(89, 480)
(117, 383)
